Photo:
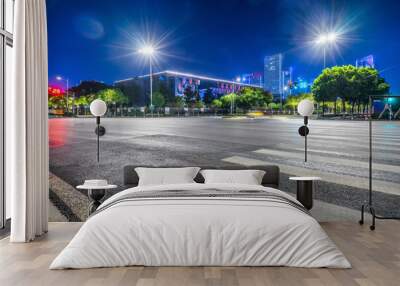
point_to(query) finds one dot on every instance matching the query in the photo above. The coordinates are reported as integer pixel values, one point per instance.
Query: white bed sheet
(200, 232)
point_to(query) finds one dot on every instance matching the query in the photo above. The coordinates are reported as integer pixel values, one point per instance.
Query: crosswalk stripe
(319, 142)
(362, 183)
(386, 141)
(322, 159)
(359, 154)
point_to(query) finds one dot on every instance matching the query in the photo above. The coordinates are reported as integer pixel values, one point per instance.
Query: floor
(375, 257)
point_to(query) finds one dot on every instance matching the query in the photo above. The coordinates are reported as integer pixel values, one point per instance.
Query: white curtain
(27, 123)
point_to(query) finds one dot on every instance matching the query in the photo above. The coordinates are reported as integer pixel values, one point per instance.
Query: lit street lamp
(149, 52)
(59, 78)
(324, 40)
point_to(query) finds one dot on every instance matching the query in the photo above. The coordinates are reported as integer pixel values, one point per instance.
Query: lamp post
(325, 40)
(59, 78)
(305, 108)
(233, 95)
(149, 52)
(98, 108)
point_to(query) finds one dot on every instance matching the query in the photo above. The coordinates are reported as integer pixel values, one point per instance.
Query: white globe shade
(305, 107)
(98, 107)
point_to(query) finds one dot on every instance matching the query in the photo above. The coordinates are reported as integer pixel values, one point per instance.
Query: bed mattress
(201, 225)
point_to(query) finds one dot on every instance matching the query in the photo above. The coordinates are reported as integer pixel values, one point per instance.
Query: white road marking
(322, 159)
(351, 181)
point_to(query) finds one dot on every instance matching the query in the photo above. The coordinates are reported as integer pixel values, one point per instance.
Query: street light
(306, 109)
(238, 79)
(98, 108)
(59, 78)
(149, 51)
(324, 40)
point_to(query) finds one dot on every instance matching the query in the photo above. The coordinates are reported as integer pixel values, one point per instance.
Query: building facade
(366, 62)
(172, 84)
(254, 78)
(273, 74)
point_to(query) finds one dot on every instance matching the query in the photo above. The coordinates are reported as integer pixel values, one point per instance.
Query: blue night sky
(97, 40)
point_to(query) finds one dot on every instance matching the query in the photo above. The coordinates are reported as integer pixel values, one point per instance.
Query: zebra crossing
(336, 159)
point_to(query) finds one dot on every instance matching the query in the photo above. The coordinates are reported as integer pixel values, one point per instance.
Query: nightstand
(304, 192)
(96, 193)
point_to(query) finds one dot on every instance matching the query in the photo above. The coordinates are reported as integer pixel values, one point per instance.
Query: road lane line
(360, 154)
(356, 182)
(322, 159)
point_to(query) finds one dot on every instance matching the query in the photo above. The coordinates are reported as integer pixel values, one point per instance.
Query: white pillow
(247, 177)
(166, 176)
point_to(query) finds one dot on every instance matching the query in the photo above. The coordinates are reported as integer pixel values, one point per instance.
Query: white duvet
(193, 231)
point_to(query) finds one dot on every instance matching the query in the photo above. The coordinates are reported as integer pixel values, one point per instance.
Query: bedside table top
(304, 178)
(88, 187)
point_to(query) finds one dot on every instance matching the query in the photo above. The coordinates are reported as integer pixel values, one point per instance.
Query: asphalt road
(338, 151)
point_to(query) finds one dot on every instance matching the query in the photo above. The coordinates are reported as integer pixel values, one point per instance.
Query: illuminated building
(273, 80)
(172, 84)
(366, 62)
(255, 78)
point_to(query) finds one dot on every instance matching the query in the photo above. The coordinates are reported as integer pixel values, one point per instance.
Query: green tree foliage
(216, 103)
(228, 99)
(350, 84)
(112, 96)
(158, 99)
(57, 102)
(253, 98)
(293, 100)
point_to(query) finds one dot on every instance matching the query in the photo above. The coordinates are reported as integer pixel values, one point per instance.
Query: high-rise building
(366, 62)
(273, 74)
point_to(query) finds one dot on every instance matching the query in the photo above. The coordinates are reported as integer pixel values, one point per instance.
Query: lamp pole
(59, 78)
(305, 137)
(306, 109)
(149, 51)
(98, 108)
(151, 87)
(324, 40)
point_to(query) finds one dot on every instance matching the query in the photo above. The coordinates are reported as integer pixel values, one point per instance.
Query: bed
(199, 224)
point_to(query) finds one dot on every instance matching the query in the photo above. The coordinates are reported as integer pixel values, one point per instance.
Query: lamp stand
(303, 131)
(98, 137)
(305, 137)
(369, 206)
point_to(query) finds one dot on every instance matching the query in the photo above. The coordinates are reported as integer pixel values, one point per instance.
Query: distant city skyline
(98, 40)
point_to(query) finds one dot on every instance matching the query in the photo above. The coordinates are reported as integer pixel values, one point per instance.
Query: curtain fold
(28, 126)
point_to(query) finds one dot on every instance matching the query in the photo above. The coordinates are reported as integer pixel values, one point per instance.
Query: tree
(293, 100)
(228, 99)
(158, 99)
(216, 103)
(88, 87)
(253, 98)
(350, 84)
(112, 96)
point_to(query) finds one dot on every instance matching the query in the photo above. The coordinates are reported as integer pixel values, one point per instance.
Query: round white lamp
(98, 108)
(305, 108)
